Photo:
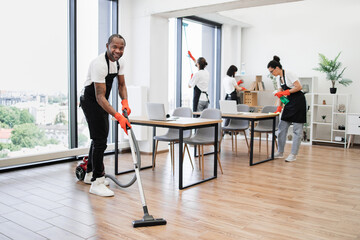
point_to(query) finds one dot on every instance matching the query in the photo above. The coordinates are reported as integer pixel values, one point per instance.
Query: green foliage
(61, 98)
(273, 79)
(28, 135)
(9, 146)
(60, 118)
(12, 116)
(332, 70)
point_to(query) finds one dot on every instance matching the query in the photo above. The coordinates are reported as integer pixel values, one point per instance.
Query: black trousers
(98, 123)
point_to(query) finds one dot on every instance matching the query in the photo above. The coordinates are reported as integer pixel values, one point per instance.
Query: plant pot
(332, 90)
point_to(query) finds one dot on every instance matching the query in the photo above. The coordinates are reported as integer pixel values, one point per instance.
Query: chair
(265, 126)
(236, 126)
(172, 135)
(205, 136)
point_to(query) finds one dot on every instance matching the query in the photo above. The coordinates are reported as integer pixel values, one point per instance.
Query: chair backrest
(240, 123)
(268, 123)
(208, 132)
(182, 112)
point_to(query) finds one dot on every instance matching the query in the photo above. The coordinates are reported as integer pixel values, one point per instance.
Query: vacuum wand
(147, 220)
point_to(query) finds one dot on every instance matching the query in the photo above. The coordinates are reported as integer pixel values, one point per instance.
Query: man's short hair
(116, 36)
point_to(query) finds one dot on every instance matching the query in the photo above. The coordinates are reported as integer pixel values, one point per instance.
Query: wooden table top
(180, 122)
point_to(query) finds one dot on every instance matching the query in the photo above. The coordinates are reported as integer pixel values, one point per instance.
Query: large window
(36, 102)
(202, 39)
(94, 25)
(34, 87)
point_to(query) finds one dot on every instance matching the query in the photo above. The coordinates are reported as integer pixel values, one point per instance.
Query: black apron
(197, 93)
(232, 96)
(96, 116)
(295, 109)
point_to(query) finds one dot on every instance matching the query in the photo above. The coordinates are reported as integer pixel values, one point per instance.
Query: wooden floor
(316, 197)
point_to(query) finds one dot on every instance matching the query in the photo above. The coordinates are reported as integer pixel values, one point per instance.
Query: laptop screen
(228, 106)
(156, 111)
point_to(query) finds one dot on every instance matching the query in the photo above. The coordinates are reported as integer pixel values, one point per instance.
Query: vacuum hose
(135, 151)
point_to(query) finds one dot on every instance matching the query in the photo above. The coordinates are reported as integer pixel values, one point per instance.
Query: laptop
(156, 111)
(228, 107)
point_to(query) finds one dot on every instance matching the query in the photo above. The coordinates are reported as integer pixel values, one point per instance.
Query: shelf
(322, 105)
(337, 113)
(327, 141)
(322, 123)
(322, 140)
(336, 130)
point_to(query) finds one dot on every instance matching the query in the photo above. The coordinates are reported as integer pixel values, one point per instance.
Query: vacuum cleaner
(147, 220)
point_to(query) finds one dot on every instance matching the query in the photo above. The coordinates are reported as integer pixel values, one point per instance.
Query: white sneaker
(88, 177)
(278, 155)
(98, 188)
(290, 158)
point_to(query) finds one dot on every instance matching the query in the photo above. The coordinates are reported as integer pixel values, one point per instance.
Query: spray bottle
(283, 99)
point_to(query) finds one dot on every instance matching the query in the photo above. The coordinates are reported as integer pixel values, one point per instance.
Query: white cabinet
(353, 126)
(329, 118)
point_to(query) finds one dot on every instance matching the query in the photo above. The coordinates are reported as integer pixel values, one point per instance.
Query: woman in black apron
(294, 111)
(231, 87)
(200, 81)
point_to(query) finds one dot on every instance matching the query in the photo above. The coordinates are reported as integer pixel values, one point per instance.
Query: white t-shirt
(201, 80)
(98, 69)
(229, 84)
(290, 78)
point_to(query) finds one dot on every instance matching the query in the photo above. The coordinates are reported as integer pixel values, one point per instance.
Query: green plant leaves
(332, 70)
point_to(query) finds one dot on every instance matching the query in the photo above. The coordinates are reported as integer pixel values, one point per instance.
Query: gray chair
(172, 136)
(205, 136)
(236, 126)
(265, 126)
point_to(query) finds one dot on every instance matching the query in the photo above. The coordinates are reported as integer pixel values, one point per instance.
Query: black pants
(98, 122)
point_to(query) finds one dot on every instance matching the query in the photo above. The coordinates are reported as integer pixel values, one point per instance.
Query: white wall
(308, 28)
(230, 50)
(146, 52)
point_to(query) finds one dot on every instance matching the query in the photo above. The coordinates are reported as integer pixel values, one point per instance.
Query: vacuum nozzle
(148, 220)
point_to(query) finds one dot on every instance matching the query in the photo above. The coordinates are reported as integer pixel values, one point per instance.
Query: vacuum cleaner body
(80, 170)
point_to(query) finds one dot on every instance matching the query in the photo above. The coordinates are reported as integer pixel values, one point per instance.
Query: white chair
(205, 136)
(172, 136)
(236, 126)
(266, 126)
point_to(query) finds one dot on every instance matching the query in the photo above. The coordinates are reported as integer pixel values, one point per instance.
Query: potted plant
(333, 71)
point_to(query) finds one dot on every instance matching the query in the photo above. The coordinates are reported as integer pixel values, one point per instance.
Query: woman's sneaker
(98, 188)
(290, 158)
(88, 177)
(278, 155)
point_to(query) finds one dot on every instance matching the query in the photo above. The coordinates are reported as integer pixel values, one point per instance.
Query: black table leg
(252, 142)
(181, 132)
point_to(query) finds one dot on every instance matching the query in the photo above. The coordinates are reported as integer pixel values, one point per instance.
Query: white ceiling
(301, 9)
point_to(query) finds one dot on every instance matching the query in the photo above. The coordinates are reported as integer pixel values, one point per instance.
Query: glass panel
(87, 50)
(94, 21)
(172, 64)
(199, 39)
(34, 85)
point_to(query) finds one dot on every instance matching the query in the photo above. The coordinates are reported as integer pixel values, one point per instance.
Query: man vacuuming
(96, 108)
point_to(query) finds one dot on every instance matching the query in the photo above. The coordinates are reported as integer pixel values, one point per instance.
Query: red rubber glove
(240, 82)
(278, 109)
(123, 121)
(125, 105)
(191, 56)
(244, 89)
(283, 93)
